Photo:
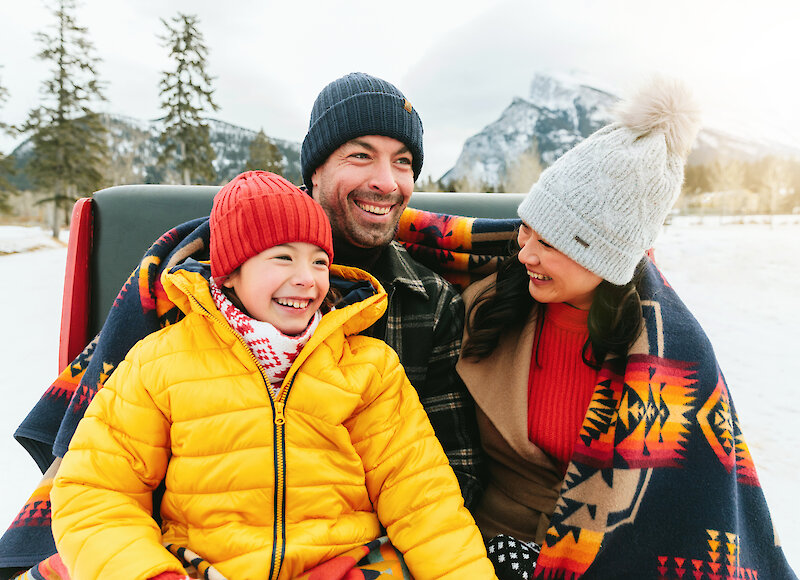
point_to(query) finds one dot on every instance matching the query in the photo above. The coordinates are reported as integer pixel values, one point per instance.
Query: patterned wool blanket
(462, 249)
(661, 483)
(660, 446)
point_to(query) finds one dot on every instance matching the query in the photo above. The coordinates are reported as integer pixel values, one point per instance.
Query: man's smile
(373, 209)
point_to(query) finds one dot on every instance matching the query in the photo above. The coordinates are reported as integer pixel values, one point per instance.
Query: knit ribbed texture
(258, 210)
(560, 390)
(603, 202)
(357, 105)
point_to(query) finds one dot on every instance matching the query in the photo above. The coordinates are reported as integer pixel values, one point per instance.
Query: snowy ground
(742, 282)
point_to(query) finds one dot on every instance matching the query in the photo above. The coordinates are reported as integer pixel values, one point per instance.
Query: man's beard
(361, 233)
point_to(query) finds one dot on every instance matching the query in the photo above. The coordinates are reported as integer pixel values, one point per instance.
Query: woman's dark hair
(615, 319)
(615, 316)
(500, 307)
(332, 299)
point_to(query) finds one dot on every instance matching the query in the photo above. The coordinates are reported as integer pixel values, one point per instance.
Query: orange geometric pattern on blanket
(435, 230)
(448, 260)
(156, 299)
(50, 569)
(164, 305)
(36, 510)
(567, 555)
(148, 265)
(745, 466)
(388, 564)
(382, 559)
(643, 419)
(595, 443)
(655, 411)
(723, 561)
(459, 280)
(721, 429)
(68, 380)
(64, 385)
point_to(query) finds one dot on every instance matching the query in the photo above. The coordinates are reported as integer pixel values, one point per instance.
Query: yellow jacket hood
(187, 288)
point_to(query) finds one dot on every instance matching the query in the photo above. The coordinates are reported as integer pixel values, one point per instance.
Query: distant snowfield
(741, 281)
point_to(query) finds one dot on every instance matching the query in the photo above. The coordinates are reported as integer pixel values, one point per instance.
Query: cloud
(459, 62)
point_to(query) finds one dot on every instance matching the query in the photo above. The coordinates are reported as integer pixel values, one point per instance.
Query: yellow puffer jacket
(261, 488)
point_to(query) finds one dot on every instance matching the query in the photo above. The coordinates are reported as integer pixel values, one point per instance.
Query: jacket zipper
(279, 429)
(279, 451)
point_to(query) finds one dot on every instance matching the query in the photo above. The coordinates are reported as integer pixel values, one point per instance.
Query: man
(360, 159)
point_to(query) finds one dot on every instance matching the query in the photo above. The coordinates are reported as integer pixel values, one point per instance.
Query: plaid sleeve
(445, 398)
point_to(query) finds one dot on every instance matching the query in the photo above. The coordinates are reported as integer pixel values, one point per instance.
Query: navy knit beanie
(354, 106)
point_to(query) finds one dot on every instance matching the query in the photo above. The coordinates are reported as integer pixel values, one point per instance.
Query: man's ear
(314, 185)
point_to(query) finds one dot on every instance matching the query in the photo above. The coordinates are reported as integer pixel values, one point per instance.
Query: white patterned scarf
(273, 349)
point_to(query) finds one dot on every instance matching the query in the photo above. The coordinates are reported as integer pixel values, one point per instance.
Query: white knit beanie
(603, 202)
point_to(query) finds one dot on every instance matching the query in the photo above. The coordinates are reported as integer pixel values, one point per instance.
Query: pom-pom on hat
(257, 210)
(604, 201)
(353, 106)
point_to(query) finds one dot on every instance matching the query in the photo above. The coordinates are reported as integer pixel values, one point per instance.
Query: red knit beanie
(257, 210)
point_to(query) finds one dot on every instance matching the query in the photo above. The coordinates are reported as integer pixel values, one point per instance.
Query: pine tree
(427, 184)
(265, 155)
(186, 94)
(6, 164)
(68, 138)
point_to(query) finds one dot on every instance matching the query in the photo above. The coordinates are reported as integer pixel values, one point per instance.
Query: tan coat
(524, 482)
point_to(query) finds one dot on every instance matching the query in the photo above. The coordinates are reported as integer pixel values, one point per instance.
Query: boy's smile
(283, 285)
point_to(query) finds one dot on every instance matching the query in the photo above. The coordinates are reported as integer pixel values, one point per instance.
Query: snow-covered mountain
(552, 119)
(556, 115)
(135, 149)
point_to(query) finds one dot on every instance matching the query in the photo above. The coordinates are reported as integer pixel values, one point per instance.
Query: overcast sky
(460, 62)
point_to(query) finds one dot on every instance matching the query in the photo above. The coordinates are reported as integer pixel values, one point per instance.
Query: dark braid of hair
(614, 321)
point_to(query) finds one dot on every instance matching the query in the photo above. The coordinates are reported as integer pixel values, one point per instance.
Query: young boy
(283, 437)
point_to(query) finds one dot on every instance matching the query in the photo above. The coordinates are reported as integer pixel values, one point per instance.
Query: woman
(611, 436)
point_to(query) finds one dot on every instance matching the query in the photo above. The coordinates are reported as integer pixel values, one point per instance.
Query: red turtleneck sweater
(559, 390)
